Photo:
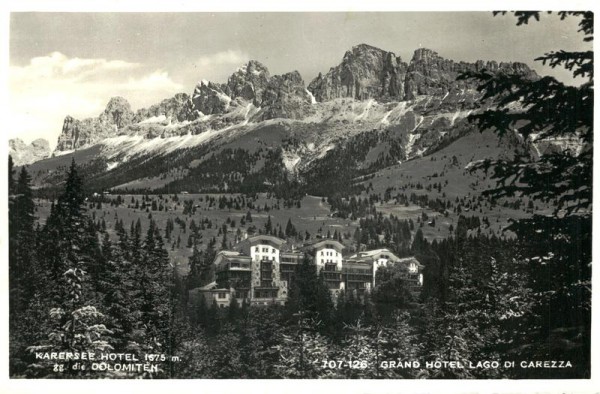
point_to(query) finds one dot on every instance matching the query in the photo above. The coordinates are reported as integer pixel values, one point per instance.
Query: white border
(273, 386)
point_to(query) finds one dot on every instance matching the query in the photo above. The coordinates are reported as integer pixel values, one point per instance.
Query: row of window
(264, 250)
(329, 253)
(265, 293)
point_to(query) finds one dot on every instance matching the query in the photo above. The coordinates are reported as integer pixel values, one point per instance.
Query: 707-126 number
(337, 364)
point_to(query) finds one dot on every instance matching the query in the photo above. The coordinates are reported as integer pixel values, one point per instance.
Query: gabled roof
(408, 260)
(321, 243)
(228, 253)
(372, 254)
(210, 286)
(257, 239)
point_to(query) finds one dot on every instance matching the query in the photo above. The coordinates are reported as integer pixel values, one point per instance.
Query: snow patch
(247, 114)
(412, 138)
(461, 114)
(111, 165)
(154, 119)
(323, 151)
(366, 110)
(420, 120)
(127, 146)
(313, 100)
(290, 161)
(385, 117)
(472, 163)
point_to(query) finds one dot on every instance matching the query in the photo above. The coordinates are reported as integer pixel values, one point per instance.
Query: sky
(73, 63)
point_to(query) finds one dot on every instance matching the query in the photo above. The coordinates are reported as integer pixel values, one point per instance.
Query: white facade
(260, 252)
(328, 256)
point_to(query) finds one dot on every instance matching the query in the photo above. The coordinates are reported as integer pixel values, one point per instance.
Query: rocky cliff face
(277, 96)
(23, 154)
(174, 108)
(208, 98)
(77, 134)
(430, 74)
(370, 85)
(249, 82)
(80, 133)
(367, 72)
(117, 113)
(285, 96)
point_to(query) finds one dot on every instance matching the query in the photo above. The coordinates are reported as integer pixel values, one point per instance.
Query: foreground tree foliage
(547, 110)
(556, 250)
(82, 293)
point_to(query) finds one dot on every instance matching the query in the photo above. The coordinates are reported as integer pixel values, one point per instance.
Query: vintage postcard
(300, 195)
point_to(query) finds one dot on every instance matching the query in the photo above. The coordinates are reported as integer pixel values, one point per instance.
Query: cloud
(222, 58)
(217, 66)
(50, 87)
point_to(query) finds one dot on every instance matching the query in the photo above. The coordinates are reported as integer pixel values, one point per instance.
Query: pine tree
(268, 225)
(22, 240)
(26, 307)
(118, 282)
(76, 327)
(154, 292)
(301, 349)
(309, 295)
(290, 230)
(11, 176)
(551, 111)
(71, 248)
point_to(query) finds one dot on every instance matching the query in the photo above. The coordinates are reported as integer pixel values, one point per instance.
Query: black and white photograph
(376, 195)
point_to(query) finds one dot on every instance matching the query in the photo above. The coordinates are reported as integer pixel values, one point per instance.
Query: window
(265, 250)
(273, 250)
(322, 253)
(221, 295)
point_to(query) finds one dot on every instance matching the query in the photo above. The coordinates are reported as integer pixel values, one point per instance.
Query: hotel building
(261, 270)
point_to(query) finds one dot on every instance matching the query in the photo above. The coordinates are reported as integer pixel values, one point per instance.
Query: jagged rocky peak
(430, 74)
(209, 98)
(365, 72)
(249, 82)
(285, 97)
(174, 108)
(118, 113)
(428, 61)
(277, 96)
(368, 72)
(23, 154)
(77, 134)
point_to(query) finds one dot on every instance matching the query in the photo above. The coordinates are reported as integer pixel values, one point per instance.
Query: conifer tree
(154, 292)
(75, 325)
(22, 240)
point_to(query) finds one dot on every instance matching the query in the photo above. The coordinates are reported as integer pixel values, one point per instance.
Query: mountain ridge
(24, 154)
(270, 133)
(251, 94)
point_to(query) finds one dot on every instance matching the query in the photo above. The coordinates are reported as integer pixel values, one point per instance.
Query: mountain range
(257, 130)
